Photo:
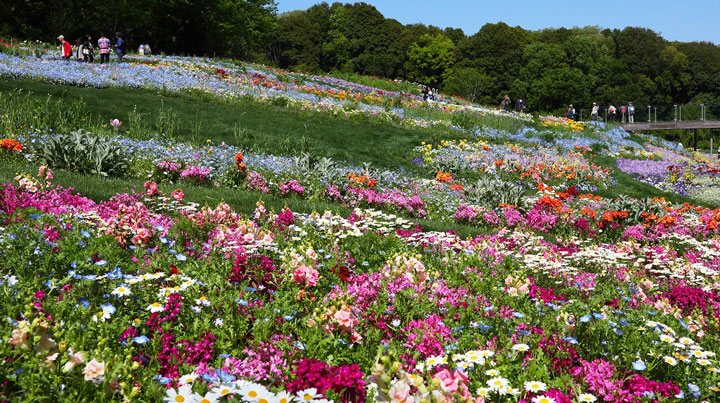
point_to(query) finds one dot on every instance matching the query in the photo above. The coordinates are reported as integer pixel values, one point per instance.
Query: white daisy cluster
(249, 392)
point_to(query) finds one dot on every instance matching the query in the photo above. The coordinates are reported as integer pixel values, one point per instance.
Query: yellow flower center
(179, 398)
(225, 391)
(307, 397)
(262, 401)
(283, 400)
(204, 401)
(252, 393)
(121, 289)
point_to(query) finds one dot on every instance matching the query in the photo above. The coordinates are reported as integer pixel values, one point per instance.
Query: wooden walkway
(685, 125)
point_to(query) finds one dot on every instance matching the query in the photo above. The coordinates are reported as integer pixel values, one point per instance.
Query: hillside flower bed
(147, 297)
(691, 175)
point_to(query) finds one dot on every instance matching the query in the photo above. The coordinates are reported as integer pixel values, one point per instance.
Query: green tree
(430, 58)
(468, 83)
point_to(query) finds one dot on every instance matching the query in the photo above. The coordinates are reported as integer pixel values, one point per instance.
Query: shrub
(83, 152)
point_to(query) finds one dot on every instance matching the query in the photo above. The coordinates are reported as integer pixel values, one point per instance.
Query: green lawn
(265, 128)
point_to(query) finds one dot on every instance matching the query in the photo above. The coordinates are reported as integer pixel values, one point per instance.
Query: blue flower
(570, 340)
(585, 318)
(639, 365)
(518, 314)
(181, 257)
(100, 263)
(141, 339)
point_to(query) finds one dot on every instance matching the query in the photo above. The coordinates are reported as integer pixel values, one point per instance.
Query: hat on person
(630, 103)
(594, 103)
(61, 37)
(571, 105)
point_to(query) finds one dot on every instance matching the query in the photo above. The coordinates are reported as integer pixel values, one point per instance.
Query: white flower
(308, 395)
(586, 397)
(492, 372)
(535, 386)
(670, 360)
(543, 399)
(251, 391)
(183, 394)
(497, 383)
(188, 379)
(521, 347)
(121, 291)
(686, 341)
(219, 322)
(283, 397)
(202, 301)
(667, 338)
(224, 390)
(156, 307)
(482, 392)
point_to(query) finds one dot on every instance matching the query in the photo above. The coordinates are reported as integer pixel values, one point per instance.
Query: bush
(83, 152)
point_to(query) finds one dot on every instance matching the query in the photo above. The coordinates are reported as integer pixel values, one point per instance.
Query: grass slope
(265, 128)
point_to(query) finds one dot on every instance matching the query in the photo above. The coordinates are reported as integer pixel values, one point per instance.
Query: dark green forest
(549, 68)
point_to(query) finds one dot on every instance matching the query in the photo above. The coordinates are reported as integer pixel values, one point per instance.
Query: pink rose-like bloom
(94, 371)
(345, 318)
(19, 338)
(306, 276)
(115, 123)
(178, 195)
(151, 188)
(73, 360)
(400, 392)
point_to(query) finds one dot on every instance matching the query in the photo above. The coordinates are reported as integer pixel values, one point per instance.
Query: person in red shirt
(66, 49)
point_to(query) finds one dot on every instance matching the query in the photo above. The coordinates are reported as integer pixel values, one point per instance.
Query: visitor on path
(88, 50)
(104, 46)
(65, 48)
(119, 46)
(612, 111)
(141, 50)
(623, 112)
(79, 52)
(148, 50)
(571, 112)
(594, 112)
(505, 104)
(520, 105)
(631, 112)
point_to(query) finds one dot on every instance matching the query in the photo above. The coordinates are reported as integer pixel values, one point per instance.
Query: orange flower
(443, 176)
(11, 145)
(498, 163)
(457, 187)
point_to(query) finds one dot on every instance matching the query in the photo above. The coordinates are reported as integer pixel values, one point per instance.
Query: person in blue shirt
(119, 46)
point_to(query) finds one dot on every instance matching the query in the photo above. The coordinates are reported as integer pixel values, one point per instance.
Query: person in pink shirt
(104, 46)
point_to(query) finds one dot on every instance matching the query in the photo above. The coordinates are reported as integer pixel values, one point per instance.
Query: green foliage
(467, 82)
(430, 58)
(83, 152)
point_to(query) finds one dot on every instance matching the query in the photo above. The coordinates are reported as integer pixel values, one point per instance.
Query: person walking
(79, 52)
(505, 104)
(141, 50)
(119, 46)
(104, 46)
(594, 112)
(612, 111)
(571, 112)
(65, 48)
(519, 105)
(88, 49)
(148, 50)
(631, 112)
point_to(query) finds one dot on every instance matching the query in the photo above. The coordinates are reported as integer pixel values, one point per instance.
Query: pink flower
(178, 195)
(73, 360)
(19, 338)
(94, 371)
(115, 124)
(345, 318)
(151, 188)
(399, 392)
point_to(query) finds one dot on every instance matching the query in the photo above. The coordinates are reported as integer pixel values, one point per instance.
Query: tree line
(549, 68)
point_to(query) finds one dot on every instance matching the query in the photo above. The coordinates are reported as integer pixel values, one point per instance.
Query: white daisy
(543, 399)
(586, 397)
(497, 383)
(686, 341)
(535, 386)
(521, 347)
(156, 307)
(482, 392)
(182, 395)
(252, 391)
(188, 379)
(492, 372)
(308, 395)
(210, 397)
(667, 338)
(121, 291)
(283, 397)
(670, 360)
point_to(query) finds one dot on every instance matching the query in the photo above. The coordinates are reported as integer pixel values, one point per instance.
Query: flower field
(558, 295)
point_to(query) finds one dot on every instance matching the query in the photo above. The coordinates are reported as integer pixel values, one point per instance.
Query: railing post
(675, 112)
(649, 115)
(656, 114)
(681, 113)
(702, 112)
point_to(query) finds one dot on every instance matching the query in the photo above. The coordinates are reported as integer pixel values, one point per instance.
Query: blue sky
(680, 20)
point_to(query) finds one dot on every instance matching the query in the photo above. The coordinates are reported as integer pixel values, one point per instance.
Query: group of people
(612, 112)
(428, 95)
(507, 102)
(85, 48)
